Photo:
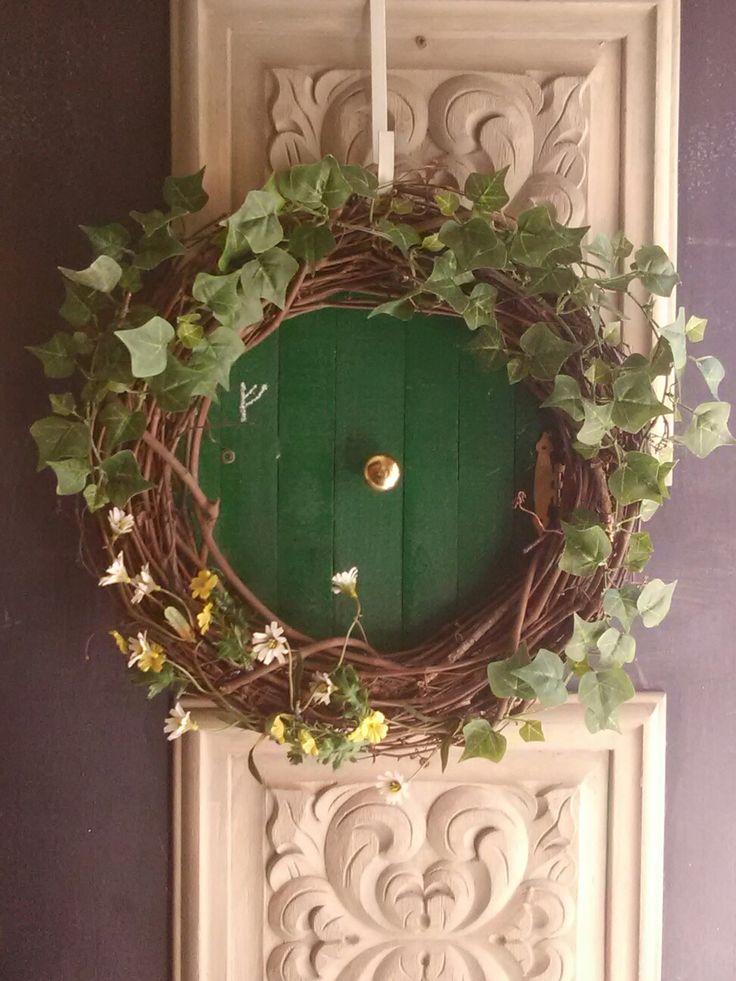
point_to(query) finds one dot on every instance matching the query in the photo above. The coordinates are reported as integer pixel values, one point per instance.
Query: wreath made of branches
(155, 324)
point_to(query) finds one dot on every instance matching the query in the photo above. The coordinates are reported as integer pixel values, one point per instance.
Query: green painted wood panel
(295, 507)
(306, 425)
(430, 465)
(486, 443)
(369, 419)
(248, 522)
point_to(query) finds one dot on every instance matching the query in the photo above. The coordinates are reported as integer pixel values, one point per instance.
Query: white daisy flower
(346, 582)
(322, 688)
(120, 522)
(270, 644)
(116, 573)
(144, 654)
(179, 722)
(144, 584)
(392, 786)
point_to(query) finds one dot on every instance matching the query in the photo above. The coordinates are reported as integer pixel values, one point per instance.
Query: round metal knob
(382, 472)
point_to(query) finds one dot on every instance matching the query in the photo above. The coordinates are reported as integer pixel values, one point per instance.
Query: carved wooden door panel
(547, 867)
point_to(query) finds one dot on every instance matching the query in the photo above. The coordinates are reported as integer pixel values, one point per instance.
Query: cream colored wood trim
(228, 828)
(264, 83)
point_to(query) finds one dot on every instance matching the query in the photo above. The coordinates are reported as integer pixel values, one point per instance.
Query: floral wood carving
(534, 124)
(459, 884)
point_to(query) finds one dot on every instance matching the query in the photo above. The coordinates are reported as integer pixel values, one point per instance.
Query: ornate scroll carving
(534, 124)
(460, 884)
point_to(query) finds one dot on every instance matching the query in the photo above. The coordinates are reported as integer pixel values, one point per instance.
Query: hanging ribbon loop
(383, 138)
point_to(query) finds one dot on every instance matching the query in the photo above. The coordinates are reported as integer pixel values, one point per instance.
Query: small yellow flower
(372, 729)
(204, 618)
(145, 654)
(120, 641)
(203, 584)
(278, 730)
(307, 742)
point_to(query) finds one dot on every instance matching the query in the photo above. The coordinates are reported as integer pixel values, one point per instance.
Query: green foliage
(148, 346)
(482, 741)
(586, 548)
(455, 251)
(602, 693)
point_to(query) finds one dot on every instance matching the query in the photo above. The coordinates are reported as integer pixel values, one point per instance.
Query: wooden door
(287, 462)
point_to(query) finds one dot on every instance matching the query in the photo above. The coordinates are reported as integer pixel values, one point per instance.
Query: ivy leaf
(602, 693)
(503, 677)
(540, 240)
(401, 309)
(71, 475)
(186, 193)
(219, 352)
(622, 604)
(586, 549)
(654, 601)
(317, 186)
(269, 275)
(59, 438)
(403, 236)
(474, 244)
(480, 307)
(103, 275)
(545, 677)
(223, 297)
(482, 741)
(662, 360)
(532, 732)
(79, 305)
(612, 333)
(616, 648)
(148, 346)
(655, 270)
(122, 425)
(156, 248)
(551, 282)
(635, 402)
(448, 202)
(108, 240)
(111, 362)
(566, 396)
(597, 422)
(254, 227)
(310, 243)
(487, 191)
(361, 181)
(517, 369)
(695, 329)
(636, 479)
(431, 243)
(489, 347)
(95, 497)
(712, 371)
(123, 477)
(675, 336)
(445, 281)
(153, 221)
(708, 429)
(63, 405)
(57, 355)
(639, 551)
(585, 636)
(547, 351)
(174, 387)
(189, 330)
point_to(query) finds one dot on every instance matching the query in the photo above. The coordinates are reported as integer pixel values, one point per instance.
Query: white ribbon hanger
(383, 137)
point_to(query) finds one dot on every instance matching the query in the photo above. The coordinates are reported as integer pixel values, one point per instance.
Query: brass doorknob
(382, 472)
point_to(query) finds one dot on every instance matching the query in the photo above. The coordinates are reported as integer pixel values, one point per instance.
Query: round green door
(288, 445)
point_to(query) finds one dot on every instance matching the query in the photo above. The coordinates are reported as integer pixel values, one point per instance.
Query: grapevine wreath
(154, 326)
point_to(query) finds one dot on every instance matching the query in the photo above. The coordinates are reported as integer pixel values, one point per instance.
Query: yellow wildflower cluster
(373, 729)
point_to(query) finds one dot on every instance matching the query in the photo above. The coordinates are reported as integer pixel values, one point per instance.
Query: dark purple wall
(84, 839)
(692, 655)
(84, 804)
